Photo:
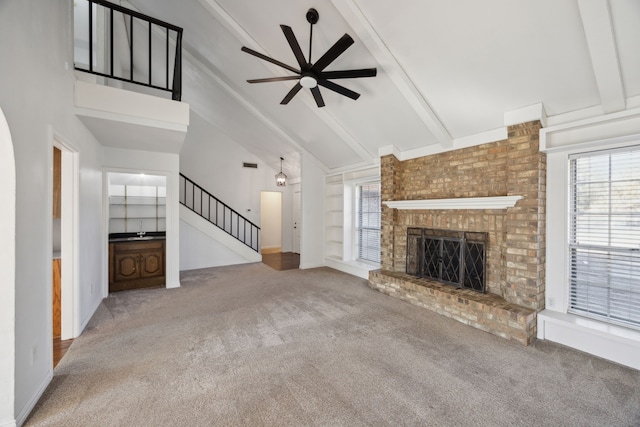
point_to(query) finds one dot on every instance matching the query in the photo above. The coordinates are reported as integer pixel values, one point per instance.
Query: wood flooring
(282, 260)
(60, 347)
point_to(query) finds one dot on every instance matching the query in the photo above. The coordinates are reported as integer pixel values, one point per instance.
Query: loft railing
(110, 26)
(218, 213)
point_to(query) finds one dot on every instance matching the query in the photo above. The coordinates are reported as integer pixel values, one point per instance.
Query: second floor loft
(129, 77)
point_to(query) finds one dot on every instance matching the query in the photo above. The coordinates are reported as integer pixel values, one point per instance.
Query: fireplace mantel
(497, 202)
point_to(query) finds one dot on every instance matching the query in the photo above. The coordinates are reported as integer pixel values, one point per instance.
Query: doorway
(66, 234)
(271, 233)
(270, 222)
(59, 347)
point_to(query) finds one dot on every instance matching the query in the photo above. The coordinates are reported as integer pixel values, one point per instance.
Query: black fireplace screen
(453, 257)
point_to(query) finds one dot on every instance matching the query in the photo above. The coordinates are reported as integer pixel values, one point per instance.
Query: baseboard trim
(86, 320)
(271, 250)
(354, 268)
(615, 343)
(310, 265)
(8, 423)
(33, 400)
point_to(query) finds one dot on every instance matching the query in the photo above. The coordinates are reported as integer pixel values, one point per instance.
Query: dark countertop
(133, 237)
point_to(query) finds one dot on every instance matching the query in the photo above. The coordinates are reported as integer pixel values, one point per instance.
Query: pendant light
(281, 179)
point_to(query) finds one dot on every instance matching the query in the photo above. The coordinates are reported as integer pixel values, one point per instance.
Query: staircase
(204, 204)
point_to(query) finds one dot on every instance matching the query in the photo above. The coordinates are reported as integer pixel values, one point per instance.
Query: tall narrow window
(368, 217)
(604, 235)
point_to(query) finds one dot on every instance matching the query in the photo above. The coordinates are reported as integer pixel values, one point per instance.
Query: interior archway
(7, 273)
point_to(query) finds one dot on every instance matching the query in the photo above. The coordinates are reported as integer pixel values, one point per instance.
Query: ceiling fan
(310, 75)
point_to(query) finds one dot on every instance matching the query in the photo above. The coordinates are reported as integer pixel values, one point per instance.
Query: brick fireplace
(515, 249)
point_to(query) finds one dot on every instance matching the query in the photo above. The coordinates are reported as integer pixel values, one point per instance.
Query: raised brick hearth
(516, 246)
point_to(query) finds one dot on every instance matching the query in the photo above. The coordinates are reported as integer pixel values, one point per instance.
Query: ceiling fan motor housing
(312, 16)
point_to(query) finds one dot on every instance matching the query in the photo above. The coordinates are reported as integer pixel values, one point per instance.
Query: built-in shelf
(134, 208)
(497, 202)
(334, 211)
(339, 219)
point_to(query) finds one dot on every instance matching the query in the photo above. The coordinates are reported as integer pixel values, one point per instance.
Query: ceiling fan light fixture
(281, 178)
(308, 82)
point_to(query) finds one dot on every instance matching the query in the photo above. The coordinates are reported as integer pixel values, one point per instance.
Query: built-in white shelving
(134, 208)
(334, 216)
(339, 231)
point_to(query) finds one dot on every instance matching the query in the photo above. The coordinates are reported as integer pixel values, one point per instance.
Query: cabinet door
(151, 264)
(126, 266)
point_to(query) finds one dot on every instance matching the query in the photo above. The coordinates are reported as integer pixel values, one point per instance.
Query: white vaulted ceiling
(448, 71)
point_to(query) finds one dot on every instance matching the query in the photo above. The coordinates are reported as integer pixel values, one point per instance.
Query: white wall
(214, 161)
(7, 273)
(133, 161)
(271, 220)
(312, 212)
(197, 250)
(36, 94)
(204, 245)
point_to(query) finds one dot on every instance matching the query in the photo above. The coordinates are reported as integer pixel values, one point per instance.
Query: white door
(296, 222)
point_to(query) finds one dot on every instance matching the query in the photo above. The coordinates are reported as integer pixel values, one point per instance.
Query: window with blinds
(368, 218)
(604, 235)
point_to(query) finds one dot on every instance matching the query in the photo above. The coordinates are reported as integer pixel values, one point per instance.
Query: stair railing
(145, 72)
(218, 213)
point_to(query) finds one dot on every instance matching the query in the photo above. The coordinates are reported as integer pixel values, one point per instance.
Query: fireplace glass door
(453, 257)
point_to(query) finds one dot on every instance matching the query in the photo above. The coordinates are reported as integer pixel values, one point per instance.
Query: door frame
(297, 219)
(70, 225)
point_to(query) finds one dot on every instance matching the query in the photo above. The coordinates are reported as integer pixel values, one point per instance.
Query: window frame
(357, 216)
(557, 271)
(601, 285)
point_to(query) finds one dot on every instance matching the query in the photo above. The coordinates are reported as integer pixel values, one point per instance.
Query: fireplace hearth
(448, 256)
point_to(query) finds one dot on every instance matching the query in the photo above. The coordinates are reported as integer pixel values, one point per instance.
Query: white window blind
(604, 235)
(368, 217)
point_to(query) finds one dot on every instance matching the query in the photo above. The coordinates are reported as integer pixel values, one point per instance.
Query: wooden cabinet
(136, 264)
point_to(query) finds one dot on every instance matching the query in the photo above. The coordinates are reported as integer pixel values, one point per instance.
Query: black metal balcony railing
(164, 78)
(218, 213)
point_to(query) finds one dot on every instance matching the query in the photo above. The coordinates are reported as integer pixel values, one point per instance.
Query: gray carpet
(248, 345)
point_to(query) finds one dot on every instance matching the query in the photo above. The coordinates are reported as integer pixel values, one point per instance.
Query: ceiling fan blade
(334, 51)
(349, 74)
(266, 58)
(339, 89)
(317, 96)
(295, 47)
(291, 94)
(274, 79)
